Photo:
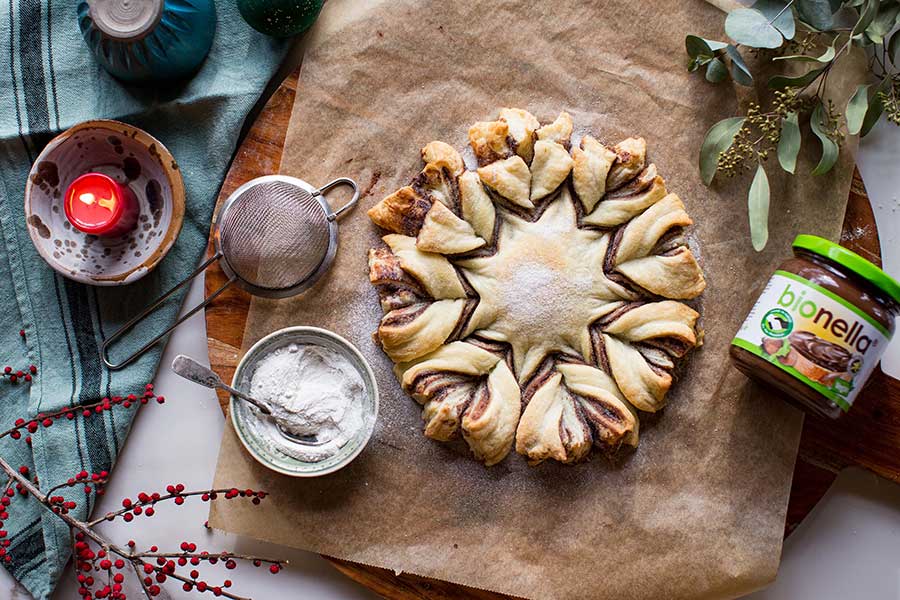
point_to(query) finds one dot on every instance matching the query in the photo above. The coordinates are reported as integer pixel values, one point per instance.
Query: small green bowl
(241, 411)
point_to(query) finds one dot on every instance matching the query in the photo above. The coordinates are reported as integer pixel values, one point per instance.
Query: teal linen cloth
(49, 82)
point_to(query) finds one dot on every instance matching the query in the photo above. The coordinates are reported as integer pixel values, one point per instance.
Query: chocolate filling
(481, 399)
(823, 353)
(634, 187)
(599, 350)
(607, 319)
(544, 372)
(403, 316)
(608, 424)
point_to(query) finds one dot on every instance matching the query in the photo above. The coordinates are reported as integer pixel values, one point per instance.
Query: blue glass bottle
(146, 41)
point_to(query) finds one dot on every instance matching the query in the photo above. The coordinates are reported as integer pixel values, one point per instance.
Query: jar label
(814, 335)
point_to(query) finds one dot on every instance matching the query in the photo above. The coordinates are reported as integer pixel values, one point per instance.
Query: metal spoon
(190, 369)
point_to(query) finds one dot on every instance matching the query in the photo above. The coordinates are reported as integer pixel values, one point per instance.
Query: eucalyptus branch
(768, 30)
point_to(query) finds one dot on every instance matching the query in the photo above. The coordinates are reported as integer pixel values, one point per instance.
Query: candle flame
(89, 198)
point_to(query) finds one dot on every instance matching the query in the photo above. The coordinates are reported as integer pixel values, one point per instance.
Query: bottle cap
(126, 20)
(852, 261)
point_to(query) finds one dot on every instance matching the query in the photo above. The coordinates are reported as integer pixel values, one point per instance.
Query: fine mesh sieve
(275, 236)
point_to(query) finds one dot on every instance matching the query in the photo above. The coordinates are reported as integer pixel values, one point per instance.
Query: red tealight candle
(99, 205)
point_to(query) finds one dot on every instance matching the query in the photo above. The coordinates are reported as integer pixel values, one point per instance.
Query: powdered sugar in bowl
(323, 396)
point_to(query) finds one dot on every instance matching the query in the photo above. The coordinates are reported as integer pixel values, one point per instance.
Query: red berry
(149, 512)
(7, 370)
(273, 569)
(33, 369)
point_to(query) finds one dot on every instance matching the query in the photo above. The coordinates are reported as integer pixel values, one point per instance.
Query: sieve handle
(104, 347)
(332, 184)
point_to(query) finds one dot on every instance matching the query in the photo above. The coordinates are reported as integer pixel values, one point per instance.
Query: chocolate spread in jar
(819, 327)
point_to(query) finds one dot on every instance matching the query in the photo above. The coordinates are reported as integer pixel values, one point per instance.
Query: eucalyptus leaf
(716, 71)
(816, 13)
(894, 48)
(856, 109)
(697, 46)
(884, 22)
(829, 148)
(866, 16)
(827, 56)
(718, 139)
(758, 209)
(789, 143)
(739, 71)
(780, 81)
(751, 28)
(779, 14)
(876, 107)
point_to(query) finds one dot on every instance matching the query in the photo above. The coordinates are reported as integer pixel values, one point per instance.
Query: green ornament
(280, 18)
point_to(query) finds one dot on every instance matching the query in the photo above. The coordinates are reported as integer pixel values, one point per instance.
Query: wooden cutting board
(869, 436)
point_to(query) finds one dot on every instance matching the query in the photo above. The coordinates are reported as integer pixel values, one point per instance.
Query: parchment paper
(698, 510)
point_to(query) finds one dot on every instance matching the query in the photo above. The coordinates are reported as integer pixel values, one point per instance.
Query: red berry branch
(100, 564)
(17, 375)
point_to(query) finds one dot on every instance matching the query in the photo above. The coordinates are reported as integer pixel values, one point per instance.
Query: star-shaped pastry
(533, 302)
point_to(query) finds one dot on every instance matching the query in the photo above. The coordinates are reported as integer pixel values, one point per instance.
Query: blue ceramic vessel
(147, 41)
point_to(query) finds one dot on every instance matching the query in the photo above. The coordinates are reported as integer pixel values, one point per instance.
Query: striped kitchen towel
(49, 82)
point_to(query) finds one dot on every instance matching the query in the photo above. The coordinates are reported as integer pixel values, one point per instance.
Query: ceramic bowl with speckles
(132, 157)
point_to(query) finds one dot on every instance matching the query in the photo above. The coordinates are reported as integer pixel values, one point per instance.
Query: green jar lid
(851, 261)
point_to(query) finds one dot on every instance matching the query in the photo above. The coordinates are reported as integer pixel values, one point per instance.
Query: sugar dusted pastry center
(538, 293)
(535, 302)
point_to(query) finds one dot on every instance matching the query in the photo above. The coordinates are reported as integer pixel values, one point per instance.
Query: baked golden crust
(402, 212)
(591, 164)
(549, 168)
(444, 156)
(526, 310)
(522, 126)
(490, 141)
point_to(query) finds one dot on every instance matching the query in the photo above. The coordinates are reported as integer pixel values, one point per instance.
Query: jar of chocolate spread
(819, 327)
